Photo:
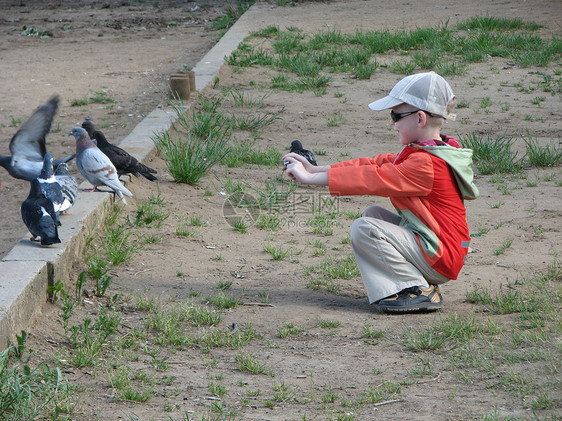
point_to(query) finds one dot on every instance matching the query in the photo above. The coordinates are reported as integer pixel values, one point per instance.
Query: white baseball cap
(426, 91)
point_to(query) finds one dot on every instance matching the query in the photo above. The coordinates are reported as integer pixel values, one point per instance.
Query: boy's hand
(293, 157)
(298, 168)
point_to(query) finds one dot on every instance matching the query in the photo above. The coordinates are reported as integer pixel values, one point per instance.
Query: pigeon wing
(310, 157)
(53, 191)
(39, 221)
(31, 214)
(122, 160)
(126, 163)
(99, 170)
(94, 165)
(29, 141)
(68, 184)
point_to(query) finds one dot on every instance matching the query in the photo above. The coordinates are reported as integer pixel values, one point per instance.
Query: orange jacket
(423, 189)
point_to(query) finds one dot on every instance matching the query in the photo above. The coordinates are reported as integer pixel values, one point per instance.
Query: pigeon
(39, 216)
(68, 183)
(296, 147)
(28, 145)
(95, 166)
(51, 187)
(123, 161)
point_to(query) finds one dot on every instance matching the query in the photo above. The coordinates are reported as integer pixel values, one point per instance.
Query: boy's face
(406, 128)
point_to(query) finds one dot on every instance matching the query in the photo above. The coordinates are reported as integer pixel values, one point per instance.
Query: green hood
(460, 161)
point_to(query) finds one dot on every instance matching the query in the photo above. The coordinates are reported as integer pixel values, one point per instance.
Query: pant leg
(388, 255)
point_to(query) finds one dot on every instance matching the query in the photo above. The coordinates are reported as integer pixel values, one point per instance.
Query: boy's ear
(422, 119)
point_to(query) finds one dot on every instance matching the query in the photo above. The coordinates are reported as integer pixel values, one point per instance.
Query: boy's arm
(412, 177)
(377, 160)
(302, 171)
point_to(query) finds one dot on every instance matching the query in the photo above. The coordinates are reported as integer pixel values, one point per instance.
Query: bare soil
(131, 61)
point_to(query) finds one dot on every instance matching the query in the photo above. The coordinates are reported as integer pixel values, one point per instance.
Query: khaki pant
(388, 255)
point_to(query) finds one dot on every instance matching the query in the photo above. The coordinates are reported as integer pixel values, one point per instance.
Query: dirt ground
(131, 60)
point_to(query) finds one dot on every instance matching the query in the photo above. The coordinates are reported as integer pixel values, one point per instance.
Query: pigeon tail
(148, 176)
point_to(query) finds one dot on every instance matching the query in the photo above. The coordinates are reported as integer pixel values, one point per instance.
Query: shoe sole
(412, 308)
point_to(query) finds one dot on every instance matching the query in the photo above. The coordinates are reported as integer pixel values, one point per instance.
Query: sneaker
(413, 299)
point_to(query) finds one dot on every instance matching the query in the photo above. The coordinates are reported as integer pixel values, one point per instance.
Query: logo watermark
(292, 210)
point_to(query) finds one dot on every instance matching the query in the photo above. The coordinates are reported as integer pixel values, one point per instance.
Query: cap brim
(385, 103)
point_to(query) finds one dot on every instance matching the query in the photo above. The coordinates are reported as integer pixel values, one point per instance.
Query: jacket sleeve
(377, 160)
(380, 177)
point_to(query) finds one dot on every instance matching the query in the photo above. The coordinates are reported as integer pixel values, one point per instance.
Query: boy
(403, 257)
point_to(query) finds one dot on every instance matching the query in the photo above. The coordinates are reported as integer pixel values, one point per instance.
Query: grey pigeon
(28, 145)
(95, 166)
(296, 147)
(39, 216)
(51, 187)
(68, 183)
(123, 161)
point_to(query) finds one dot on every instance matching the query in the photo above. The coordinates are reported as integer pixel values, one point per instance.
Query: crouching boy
(403, 257)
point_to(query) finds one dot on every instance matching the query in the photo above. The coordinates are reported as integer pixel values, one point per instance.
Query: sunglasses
(397, 116)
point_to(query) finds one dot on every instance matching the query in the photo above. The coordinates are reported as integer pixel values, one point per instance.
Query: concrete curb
(29, 269)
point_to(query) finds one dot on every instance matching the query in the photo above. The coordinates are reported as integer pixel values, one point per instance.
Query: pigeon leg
(95, 188)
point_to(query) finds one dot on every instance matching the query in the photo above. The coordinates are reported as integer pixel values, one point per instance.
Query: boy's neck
(433, 133)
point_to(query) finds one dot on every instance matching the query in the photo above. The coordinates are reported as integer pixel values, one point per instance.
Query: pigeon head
(83, 141)
(296, 145)
(47, 170)
(88, 126)
(77, 132)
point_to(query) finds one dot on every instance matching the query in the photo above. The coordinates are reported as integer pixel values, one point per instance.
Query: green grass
(29, 391)
(241, 226)
(491, 23)
(267, 221)
(369, 331)
(276, 253)
(543, 156)
(245, 100)
(253, 122)
(267, 32)
(335, 268)
(101, 97)
(199, 143)
(334, 120)
(492, 155)
(503, 247)
(150, 213)
(233, 13)
(289, 328)
(183, 230)
(29, 31)
(223, 301)
(201, 138)
(244, 152)
(118, 244)
(386, 391)
(302, 61)
(248, 363)
(328, 324)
